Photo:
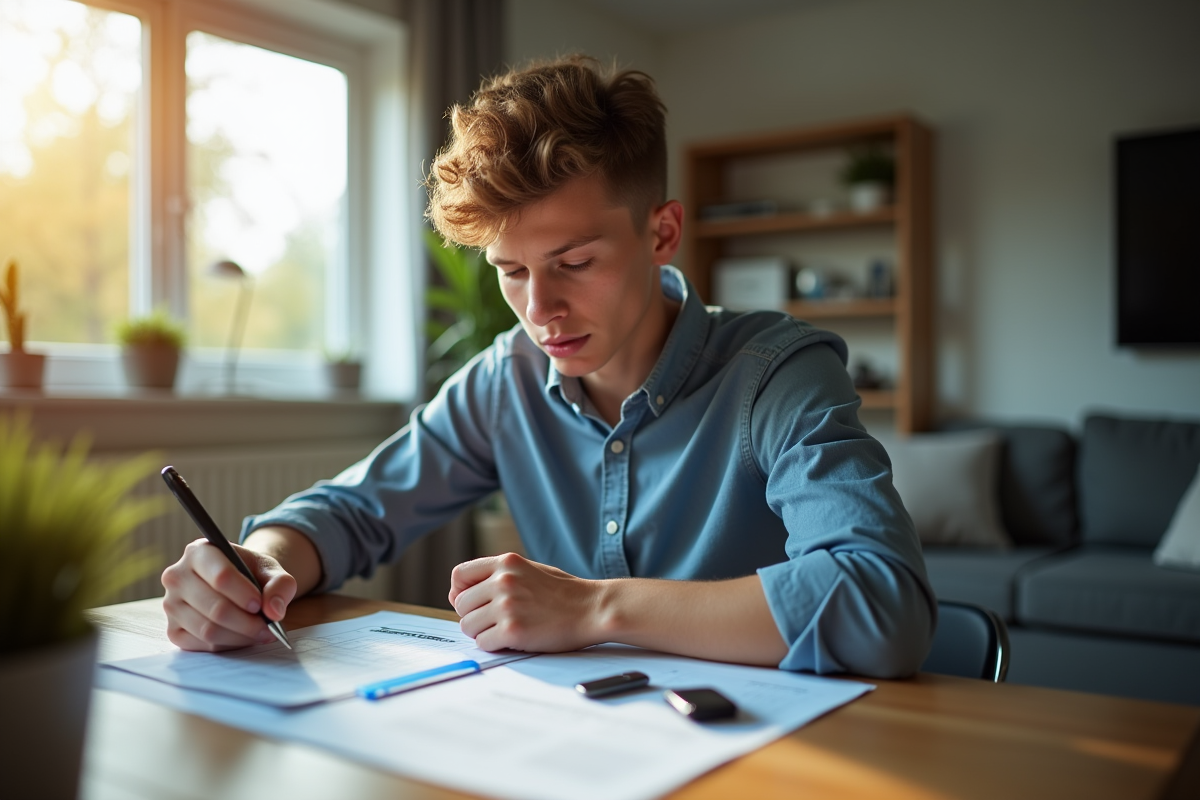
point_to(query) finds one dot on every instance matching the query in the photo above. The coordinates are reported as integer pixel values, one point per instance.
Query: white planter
(44, 698)
(868, 197)
(21, 370)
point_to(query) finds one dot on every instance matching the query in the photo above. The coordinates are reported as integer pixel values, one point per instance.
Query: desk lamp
(233, 271)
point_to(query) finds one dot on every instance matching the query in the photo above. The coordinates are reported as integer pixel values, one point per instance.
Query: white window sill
(166, 420)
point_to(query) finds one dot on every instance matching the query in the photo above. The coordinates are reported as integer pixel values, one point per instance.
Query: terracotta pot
(150, 366)
(343, 376)
(44, 698)
(21, 370)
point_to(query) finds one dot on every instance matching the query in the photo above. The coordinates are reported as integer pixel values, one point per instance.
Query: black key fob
(615, 684)
(701, 704)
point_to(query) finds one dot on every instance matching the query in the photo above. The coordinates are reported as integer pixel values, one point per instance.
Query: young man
(683, 478)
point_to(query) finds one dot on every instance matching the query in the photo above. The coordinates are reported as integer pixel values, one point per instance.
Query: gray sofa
(1086, 607)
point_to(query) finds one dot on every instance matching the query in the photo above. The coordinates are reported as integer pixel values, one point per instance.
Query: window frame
(369, 49)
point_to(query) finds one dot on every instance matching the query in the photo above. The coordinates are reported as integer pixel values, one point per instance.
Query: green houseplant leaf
(870, 163)
(467, 312)
(65, 522)
(156, 328)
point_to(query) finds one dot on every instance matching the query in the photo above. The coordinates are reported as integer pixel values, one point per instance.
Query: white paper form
(327, 661)
(521, 731)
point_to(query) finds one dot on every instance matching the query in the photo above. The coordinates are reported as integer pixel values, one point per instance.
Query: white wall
(548, 28)
(1025, 97)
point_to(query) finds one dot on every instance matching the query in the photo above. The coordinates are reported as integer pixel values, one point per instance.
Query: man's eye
(514, 273)
(578, 267)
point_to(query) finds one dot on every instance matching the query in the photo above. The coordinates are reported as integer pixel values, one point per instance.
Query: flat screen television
(1158, 239)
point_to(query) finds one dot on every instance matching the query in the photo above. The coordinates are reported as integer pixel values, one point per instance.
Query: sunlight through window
(267, 139)
(70, 79)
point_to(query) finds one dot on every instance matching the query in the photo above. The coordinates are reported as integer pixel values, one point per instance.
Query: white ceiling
(665, 16)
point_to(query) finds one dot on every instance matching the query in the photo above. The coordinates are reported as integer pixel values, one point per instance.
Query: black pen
(204, 522)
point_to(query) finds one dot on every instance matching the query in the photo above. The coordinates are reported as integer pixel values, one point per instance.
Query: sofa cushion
(983, 577)
(1116, 590)
(1132, 475)
(1037, 481)
(949, 484)
(1180, 546)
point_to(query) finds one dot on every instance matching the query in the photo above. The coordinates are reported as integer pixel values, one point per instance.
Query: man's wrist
(609, 610)
(294, 551)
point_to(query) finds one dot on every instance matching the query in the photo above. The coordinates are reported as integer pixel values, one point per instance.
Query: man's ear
(666, 228)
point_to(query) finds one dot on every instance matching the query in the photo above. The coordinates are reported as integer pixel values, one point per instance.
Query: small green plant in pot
(466, 313)
(64, 547)
(870, 175)
(150, 350)
(343, 372)
(18, 369)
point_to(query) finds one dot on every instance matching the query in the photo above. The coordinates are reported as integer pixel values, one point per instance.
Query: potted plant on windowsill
(18, 369)
(150, 350)
(343, 373)
(870, 175)
(64, 547)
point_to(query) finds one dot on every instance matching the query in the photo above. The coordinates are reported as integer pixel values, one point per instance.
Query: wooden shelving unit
(910, 217)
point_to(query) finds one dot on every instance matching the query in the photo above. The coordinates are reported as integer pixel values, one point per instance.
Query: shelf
(842, 309)
(786, 223)
(722, 170)
(878, 399)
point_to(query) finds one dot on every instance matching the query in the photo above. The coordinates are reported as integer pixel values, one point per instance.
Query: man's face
(582, 278)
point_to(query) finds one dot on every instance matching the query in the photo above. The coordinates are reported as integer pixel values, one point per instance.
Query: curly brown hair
(528, 132)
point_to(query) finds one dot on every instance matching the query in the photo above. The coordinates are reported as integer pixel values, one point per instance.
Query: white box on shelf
(747, 284)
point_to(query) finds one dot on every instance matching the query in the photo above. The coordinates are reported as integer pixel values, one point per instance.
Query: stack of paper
(517, 731)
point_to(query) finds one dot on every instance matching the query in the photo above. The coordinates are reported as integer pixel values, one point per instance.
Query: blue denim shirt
(742, 452)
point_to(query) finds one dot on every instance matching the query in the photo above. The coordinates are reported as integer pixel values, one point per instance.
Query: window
(266, 181)
(142, 141)
(70, 94)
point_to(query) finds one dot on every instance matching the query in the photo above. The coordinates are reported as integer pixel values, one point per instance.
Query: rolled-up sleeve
(852, 595)
(420, 478)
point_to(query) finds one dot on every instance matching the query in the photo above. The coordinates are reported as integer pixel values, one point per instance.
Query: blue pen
(377, 691)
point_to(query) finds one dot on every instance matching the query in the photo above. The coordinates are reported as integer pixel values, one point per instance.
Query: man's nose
(545, 302)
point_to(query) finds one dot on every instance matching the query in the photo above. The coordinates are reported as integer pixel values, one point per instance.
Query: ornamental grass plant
(153, 329)
(65, 524)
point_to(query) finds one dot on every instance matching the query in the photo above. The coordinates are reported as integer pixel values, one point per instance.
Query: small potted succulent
(870, 175)
(64, 547)
(18, 369)
(150, 349)
(343, 372)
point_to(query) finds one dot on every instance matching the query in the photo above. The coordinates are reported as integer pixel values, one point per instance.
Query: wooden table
(931, 737)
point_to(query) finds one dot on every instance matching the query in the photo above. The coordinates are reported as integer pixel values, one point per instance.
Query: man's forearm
(294, 552)
(720, 620)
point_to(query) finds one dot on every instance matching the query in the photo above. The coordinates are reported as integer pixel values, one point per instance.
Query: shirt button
(612, 527)
(618, 446)
(659, 400)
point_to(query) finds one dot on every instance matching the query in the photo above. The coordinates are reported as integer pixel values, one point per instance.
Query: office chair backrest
(970, 642)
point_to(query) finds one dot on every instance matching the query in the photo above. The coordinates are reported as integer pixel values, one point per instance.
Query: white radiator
(231, 484)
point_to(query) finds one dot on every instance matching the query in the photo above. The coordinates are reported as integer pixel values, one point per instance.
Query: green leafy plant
(64, 534)
(870, 163)
(469, 311)
(341, 357)
(155, 328)
(10, 301)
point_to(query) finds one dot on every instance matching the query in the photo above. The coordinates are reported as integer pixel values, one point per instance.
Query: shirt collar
(679, 354)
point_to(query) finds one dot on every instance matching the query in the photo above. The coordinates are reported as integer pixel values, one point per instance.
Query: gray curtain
(455, 44)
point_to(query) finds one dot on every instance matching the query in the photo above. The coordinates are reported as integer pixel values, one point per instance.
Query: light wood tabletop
(931, 737)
